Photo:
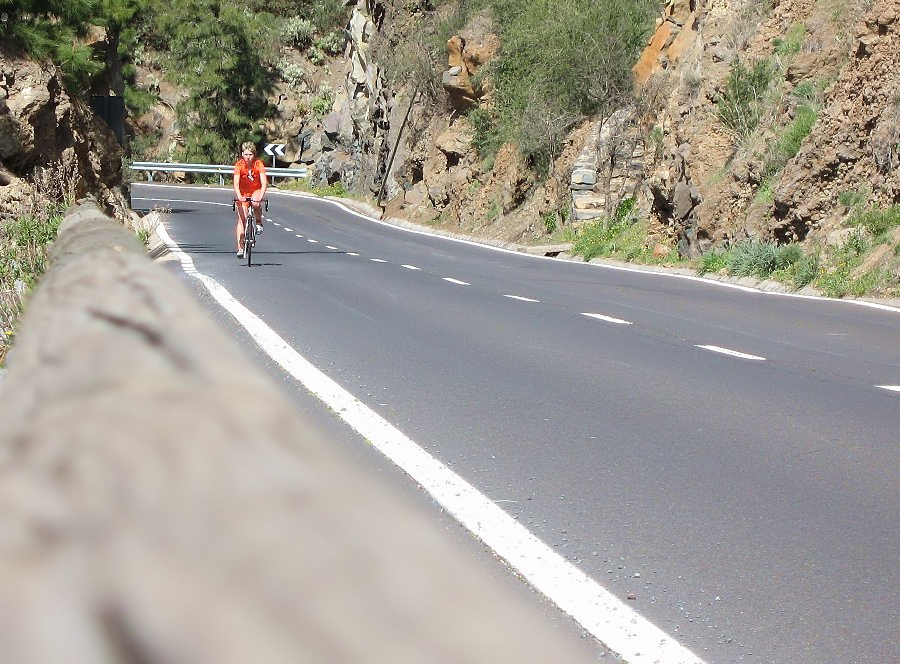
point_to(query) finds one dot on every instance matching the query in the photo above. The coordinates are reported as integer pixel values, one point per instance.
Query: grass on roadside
(24, 240)
(621, 236)
(336, 190)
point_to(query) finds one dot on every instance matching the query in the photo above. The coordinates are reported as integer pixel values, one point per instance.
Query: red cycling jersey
(250, 176)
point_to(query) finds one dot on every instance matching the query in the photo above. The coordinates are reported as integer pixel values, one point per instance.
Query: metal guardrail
(221, 170)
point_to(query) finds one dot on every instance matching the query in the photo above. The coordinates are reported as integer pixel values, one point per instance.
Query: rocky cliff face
(707, 188)
(700, 184)
(41, 125)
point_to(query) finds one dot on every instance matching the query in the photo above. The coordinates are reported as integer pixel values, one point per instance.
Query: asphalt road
(727, 458)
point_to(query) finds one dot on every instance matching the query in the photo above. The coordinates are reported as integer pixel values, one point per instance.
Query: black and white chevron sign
(272, 149)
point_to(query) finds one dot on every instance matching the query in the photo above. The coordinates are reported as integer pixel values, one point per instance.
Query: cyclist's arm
(236, 184)
(263, 182)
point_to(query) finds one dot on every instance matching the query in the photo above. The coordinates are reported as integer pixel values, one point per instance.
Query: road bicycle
(250, 226)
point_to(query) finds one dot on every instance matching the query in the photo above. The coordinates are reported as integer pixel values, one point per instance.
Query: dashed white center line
(298, 235)
(378, 260)
(312, 241)
(733, 353)
(411, 267)
(892, 388)
(608, 319)
(352, 253)
(289, 230)
(328, 246)
(457, 281)
(520, 298)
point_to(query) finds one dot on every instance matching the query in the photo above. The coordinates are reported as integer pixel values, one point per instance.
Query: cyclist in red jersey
(249, 181)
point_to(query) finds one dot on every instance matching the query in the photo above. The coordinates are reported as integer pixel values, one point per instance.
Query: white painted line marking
(276, 223)
(312, 241)
(892, 388)
(289, 230)
(601, 613)
(377, 260)
(608, 319)
(298, 235)
(410, 267)
(733, 353)
(519, 297)
(328, 246)
(457, 281)
(352, 253)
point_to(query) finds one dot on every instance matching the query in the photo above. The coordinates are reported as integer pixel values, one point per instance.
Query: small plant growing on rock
(296, 31)
(740, 104)
(792, 42)
(712, 262)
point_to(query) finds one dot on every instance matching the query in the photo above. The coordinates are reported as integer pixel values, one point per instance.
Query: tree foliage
(560, 61)
(52, 29)
(223, 63)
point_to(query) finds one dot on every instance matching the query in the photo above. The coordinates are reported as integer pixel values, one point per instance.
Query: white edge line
(605, 266)
(600, 612)
(728, 351)
(892, 388)
(608, 319)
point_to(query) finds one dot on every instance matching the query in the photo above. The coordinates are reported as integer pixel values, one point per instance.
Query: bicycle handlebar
(248, 199)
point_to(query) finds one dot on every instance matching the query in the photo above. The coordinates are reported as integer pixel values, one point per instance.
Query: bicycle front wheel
(249, 237)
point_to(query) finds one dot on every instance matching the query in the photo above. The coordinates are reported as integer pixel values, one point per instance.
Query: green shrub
(788, 143)
(761, 259)
(712, 262)
(739, 107)
(296, 31)
(291, 73)
(323, 101)
(805, 270)
(316, 56)
(851, 199)
(602, 238)
(792, 42)
(332, 42)
(875, 220)
(561, 60)
(549, 220)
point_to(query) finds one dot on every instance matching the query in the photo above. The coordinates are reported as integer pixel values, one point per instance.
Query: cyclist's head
(248, 149)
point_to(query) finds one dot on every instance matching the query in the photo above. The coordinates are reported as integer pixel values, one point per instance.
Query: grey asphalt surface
(750, 506)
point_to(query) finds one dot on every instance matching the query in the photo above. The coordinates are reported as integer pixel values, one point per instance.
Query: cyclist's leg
(240, 224)
(257, 209)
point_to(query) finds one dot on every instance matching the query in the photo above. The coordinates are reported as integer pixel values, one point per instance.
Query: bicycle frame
(249, 226)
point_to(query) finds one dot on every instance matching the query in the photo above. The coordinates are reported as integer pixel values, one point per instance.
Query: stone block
(584, 176)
